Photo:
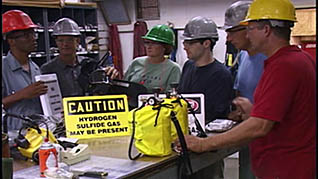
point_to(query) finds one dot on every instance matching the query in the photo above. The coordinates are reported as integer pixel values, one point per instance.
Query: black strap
(28, 122)
(184, 153)
(177, 101)
(133, 135)
(103, 60)
(201, 132)
(160, 105)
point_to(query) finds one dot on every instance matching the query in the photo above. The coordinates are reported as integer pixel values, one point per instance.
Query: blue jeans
(245, 171)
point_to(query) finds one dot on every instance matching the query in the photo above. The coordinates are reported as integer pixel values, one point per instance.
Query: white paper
(51, 101)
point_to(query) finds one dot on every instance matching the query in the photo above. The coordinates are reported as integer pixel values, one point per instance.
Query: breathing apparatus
(157, 123)
(88, 67)
(151, 126)
(101, 84)
(96, 82)
(30, 136)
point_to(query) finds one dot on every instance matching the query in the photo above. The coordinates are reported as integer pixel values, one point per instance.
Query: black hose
(184, 153)
(133, 135)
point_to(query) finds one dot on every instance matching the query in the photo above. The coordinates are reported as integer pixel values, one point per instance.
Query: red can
(45, 151)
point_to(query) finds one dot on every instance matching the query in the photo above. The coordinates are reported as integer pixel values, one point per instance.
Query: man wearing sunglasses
(250, 69)
(202, 73)
(20, 92)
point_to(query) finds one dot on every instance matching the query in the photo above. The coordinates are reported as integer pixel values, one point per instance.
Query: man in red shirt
(281, 125)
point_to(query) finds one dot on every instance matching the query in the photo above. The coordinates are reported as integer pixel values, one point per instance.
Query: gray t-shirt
(153, 75)
(15, 78)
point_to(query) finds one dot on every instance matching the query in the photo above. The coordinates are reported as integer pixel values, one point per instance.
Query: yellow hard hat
(270, 9)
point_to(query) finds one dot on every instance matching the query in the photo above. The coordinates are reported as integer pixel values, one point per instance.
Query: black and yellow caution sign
(96, 116)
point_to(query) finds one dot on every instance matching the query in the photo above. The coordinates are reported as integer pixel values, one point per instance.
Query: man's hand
(244, 105)
(194, 144)
(235, 115)
(34, 90)
(112, 72)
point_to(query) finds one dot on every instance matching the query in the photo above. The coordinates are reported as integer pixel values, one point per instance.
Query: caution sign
(96, 116)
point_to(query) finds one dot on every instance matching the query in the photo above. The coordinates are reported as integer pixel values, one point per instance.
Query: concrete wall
(179, 12)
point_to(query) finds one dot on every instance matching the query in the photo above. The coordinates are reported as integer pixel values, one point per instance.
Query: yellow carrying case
(152, 129)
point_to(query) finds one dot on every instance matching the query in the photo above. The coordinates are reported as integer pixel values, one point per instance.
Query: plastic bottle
(51, 161)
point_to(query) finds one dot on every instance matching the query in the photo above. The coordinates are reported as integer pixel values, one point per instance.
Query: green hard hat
(161, 33)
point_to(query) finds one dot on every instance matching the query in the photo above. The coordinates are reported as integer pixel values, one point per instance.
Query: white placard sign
(51, 101)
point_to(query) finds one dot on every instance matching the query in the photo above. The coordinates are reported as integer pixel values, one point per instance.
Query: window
(114, 11)
(147, 10)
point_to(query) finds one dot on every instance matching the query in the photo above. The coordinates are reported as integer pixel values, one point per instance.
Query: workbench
(112, 154)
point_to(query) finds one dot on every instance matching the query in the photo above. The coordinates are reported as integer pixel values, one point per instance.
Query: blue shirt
(15, 78)
(249, 73)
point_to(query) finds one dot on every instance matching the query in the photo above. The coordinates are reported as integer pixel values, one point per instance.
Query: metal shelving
(86, 17)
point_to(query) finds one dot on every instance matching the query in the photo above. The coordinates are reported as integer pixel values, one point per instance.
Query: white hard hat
(235, 13)
(66, 26)
(199, 28)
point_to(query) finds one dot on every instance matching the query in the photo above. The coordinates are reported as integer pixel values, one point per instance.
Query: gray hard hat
(66, 26)
(199, 28)
(235, 13)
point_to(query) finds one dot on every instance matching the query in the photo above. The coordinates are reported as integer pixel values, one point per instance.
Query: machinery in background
(101, 84)
(94, 81)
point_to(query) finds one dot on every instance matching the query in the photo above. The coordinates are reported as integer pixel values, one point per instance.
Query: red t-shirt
(286, 94)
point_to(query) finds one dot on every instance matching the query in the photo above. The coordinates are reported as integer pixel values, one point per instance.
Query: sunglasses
(190, 42)
(26, 34)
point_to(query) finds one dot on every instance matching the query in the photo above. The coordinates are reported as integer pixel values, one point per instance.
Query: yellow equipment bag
(152, 129)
